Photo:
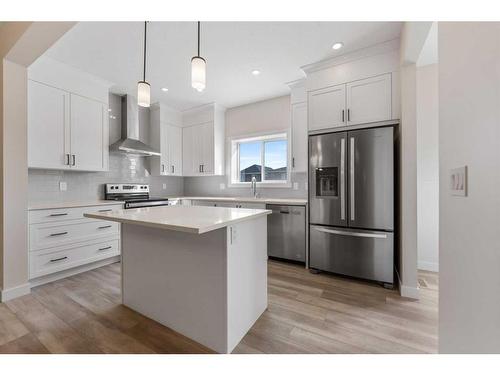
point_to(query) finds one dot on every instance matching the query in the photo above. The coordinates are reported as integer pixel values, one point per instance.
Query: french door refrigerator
(351, 203)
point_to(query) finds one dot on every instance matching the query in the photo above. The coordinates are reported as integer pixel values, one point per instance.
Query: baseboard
(407, 291)
(72, 271)
(428, 266)
(18, 291)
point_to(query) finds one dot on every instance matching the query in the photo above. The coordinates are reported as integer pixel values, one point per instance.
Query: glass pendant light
(143, 88)
(198, 69)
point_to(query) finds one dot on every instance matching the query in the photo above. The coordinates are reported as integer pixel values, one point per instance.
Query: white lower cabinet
(62, 238)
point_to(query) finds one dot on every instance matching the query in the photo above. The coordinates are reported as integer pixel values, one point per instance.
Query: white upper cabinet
(203, 141)
(89, 135)
(166, 137)
(327, 107)
(48, 127)
(299, 137)
(359, 102)
(66, 131)
(369, 100)
(174, 144)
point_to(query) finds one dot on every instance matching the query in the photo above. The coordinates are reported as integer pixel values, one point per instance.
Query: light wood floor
(306, 314)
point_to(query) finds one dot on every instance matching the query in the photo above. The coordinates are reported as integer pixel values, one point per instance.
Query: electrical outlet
(222, 186)
(63, 186)
(295, 186)
(164, 186)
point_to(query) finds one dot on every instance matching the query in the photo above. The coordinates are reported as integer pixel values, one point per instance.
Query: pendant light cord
(145, 43)
(198, 38)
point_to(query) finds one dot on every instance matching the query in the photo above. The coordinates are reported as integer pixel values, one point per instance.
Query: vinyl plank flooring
(306, 313)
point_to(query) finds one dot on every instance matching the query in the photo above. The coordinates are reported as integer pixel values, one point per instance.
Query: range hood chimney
(129, 142)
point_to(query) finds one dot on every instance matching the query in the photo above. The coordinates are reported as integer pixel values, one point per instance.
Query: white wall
(260, 117)
(427, 168)
(20, 44)
(469, 134)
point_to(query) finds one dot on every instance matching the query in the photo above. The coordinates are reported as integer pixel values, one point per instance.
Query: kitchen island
(201, 271)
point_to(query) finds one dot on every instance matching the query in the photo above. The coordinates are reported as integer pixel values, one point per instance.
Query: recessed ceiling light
(338, 45)
(164, 89)
(255, 72)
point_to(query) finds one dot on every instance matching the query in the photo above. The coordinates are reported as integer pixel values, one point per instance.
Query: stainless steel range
(134, 195)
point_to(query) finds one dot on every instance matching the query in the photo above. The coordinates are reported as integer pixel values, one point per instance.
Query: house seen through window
(264, 158)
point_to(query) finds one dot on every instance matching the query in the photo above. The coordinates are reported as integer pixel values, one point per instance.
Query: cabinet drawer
(47, 235)
(50, 261)
(63, 214)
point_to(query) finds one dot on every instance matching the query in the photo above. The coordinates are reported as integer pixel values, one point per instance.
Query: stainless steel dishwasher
(286, 232)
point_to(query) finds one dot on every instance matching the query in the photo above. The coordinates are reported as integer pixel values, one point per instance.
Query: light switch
(222, 186)
(63, 186)
(458, 181)
(164, 186)
(295, 186)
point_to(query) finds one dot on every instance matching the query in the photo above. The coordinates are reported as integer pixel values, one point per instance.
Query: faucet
(254, 187)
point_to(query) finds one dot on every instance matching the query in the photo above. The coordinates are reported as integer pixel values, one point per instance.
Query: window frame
(234, 159)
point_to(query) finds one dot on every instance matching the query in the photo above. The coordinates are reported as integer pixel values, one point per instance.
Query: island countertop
(189, 219)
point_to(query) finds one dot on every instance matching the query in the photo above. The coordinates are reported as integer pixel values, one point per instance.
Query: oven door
(327, 179)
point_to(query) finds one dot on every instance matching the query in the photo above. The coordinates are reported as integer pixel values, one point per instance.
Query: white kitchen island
(201, 271)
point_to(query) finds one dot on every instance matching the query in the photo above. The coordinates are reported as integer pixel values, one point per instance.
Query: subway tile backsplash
(44, 184)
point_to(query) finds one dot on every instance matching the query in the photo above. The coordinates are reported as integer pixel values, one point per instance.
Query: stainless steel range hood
(129, 142)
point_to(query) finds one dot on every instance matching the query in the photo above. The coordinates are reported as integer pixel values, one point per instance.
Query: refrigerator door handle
(342, 179)
(351, 234)
(351, 182)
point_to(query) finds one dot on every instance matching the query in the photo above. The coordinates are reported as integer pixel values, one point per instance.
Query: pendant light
(198, 68)
(143, 88)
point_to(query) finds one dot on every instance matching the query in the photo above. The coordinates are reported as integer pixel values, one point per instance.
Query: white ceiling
(113, 51)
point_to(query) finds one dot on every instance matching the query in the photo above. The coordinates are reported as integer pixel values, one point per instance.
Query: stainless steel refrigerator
(351, 203)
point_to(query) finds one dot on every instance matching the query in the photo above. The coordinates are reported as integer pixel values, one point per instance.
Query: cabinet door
(299, 137)
(327, 108)
(48, 127)
(175, 150)
(369, 100)
(191, 151)
(165, 150)
(206, 131)
(87, 133)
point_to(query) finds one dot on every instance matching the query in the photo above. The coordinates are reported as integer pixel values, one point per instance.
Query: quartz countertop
(189, 219)
(71, 204)
(283, 201)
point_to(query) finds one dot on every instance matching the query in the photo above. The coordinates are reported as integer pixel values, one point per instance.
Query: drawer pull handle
(106, 210)
(62, 214)
(284, 212)
(58, 259)
(58, 234)
(105, 248)
(105, 226)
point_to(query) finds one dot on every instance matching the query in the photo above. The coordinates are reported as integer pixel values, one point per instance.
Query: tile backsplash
(44, 184)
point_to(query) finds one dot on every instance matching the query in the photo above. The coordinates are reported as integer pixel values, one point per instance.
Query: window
(265, 158)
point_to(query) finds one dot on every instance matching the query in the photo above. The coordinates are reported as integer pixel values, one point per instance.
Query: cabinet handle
(61, 214)
(58, 259)
(162, 168)
(284, 212)
(104, 227)
(58, 234)
(348, 115)
(105, 248)
(293, 162)
(107, 210)
(173, 169)
(67, 159)
(203, 168)
(343, 115)
(74, 159)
